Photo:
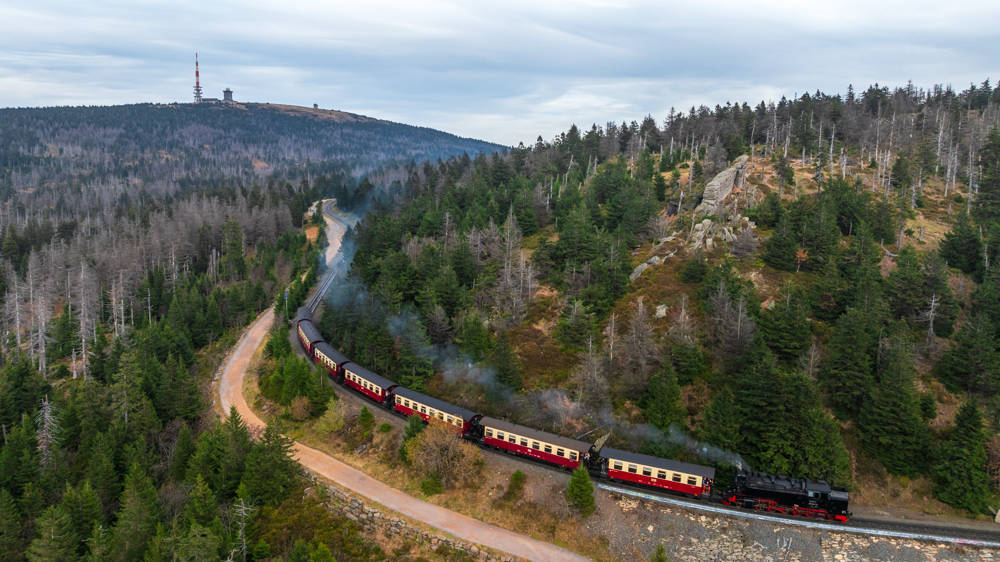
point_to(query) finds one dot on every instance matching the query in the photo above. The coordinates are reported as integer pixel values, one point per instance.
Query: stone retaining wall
(374, 520)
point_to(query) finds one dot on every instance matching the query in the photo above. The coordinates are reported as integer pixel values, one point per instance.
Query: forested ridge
(838, 323)
(71, 161)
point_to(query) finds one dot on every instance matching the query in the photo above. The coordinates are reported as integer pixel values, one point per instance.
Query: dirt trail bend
(461, 526)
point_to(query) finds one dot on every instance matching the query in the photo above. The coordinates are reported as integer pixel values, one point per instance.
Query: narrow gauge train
(757, 491)
(791, 496)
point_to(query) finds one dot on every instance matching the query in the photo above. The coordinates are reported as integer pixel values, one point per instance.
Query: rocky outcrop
(704, 233)
(721, 186)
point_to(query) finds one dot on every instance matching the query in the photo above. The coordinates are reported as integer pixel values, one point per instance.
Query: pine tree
(960, 471)
(580, 491)
(661, 402)
(54, 540)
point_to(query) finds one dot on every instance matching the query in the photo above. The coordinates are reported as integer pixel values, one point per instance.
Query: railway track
(873, 527)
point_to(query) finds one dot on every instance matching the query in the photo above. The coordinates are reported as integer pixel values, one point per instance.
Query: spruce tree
(11, 529)
(890, 425)
(779, 250)
(137, 518)
(960, 475)
(84, 509)
(786, 324)
(200, 507)
(270, 471)
(987, 202)
(847, 369)
(661, 402)
(54, 539)
(973, 363)
(961, 247)
(184, 447)
(580, 491)
(905, 286)
(721, 422)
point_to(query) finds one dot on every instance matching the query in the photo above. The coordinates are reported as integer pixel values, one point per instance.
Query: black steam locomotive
(791, 496)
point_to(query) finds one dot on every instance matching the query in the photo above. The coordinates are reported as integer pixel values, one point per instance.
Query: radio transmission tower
(197, 81)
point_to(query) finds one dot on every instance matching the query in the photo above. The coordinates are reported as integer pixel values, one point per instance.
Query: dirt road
(325, 466)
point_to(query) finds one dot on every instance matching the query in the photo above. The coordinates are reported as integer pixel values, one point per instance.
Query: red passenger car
(533, 443)
(413, 403)
(687, 478)
(376, 387)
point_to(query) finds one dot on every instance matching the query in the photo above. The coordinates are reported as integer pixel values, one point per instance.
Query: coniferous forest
(838, 324)
(137, 243)
(836, 317)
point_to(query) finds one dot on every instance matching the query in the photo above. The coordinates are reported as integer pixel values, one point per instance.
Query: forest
(845, 330)
(137, 242)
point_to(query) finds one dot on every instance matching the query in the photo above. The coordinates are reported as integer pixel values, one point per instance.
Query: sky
(506, 71)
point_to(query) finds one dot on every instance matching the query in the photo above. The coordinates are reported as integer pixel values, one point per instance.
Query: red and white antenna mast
(197, 81)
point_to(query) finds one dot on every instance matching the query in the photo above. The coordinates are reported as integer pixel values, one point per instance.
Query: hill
(817, 315)
(49, 156)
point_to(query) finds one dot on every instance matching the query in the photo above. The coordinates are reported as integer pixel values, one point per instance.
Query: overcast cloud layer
(505, 71)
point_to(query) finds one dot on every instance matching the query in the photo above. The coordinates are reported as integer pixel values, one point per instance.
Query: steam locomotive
(758, 491)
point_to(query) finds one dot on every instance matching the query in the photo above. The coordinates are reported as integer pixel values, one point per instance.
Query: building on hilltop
(227, 95)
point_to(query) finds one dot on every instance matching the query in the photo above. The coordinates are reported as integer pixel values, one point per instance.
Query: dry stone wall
(375, 522)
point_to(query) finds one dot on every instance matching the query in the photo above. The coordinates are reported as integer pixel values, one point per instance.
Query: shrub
(440, 451)
(385, 428)
(332, 419)
(431, 484)
(515, 487)
(366, 421)
(300, 408)
(580, 492)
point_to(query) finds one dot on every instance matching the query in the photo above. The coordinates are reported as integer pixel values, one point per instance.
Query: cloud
(505, 72)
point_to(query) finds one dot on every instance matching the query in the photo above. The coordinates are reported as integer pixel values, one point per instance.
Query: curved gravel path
(321, 464)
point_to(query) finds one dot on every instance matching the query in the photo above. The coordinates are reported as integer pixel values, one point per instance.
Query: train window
(561, 452)
(511, 439)
(632, 468)
(524, 442)
(535, 445)
(499, 435)
(489, 432)
(661, 475)
(646, 471)
(617, 465)
(423, 409)
(676, 477)
(548, 448)
(692, 481)
(572, 455)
